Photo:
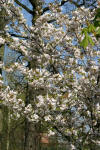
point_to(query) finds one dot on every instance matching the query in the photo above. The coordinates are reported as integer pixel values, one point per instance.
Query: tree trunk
(32, 131)
(32, 141)
(4, 133)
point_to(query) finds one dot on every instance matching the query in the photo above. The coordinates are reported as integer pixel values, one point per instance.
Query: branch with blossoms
(62, 74)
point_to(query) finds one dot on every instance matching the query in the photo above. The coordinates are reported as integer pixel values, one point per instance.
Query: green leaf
(91, 28)
(84, 31)
(90, 41)
(98, 31)
(87, 39)
(84, 42)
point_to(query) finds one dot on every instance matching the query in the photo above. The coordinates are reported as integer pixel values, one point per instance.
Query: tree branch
(75, 3)
(98, 79)
(62, 3)
(19, 36)
(24, 7)
(68, 138)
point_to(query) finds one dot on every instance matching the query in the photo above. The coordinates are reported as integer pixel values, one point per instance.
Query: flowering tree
(61, 70)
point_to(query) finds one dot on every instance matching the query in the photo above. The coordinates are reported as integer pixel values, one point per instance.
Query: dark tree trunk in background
(4, 135)
(32, 133)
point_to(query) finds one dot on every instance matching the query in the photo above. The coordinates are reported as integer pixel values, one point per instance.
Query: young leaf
(90, 41)
(84, 42)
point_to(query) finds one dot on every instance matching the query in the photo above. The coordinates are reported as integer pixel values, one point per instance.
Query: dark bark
(4, 133)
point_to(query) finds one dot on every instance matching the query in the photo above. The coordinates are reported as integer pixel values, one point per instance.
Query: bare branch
(24, 7)
(19, 36)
